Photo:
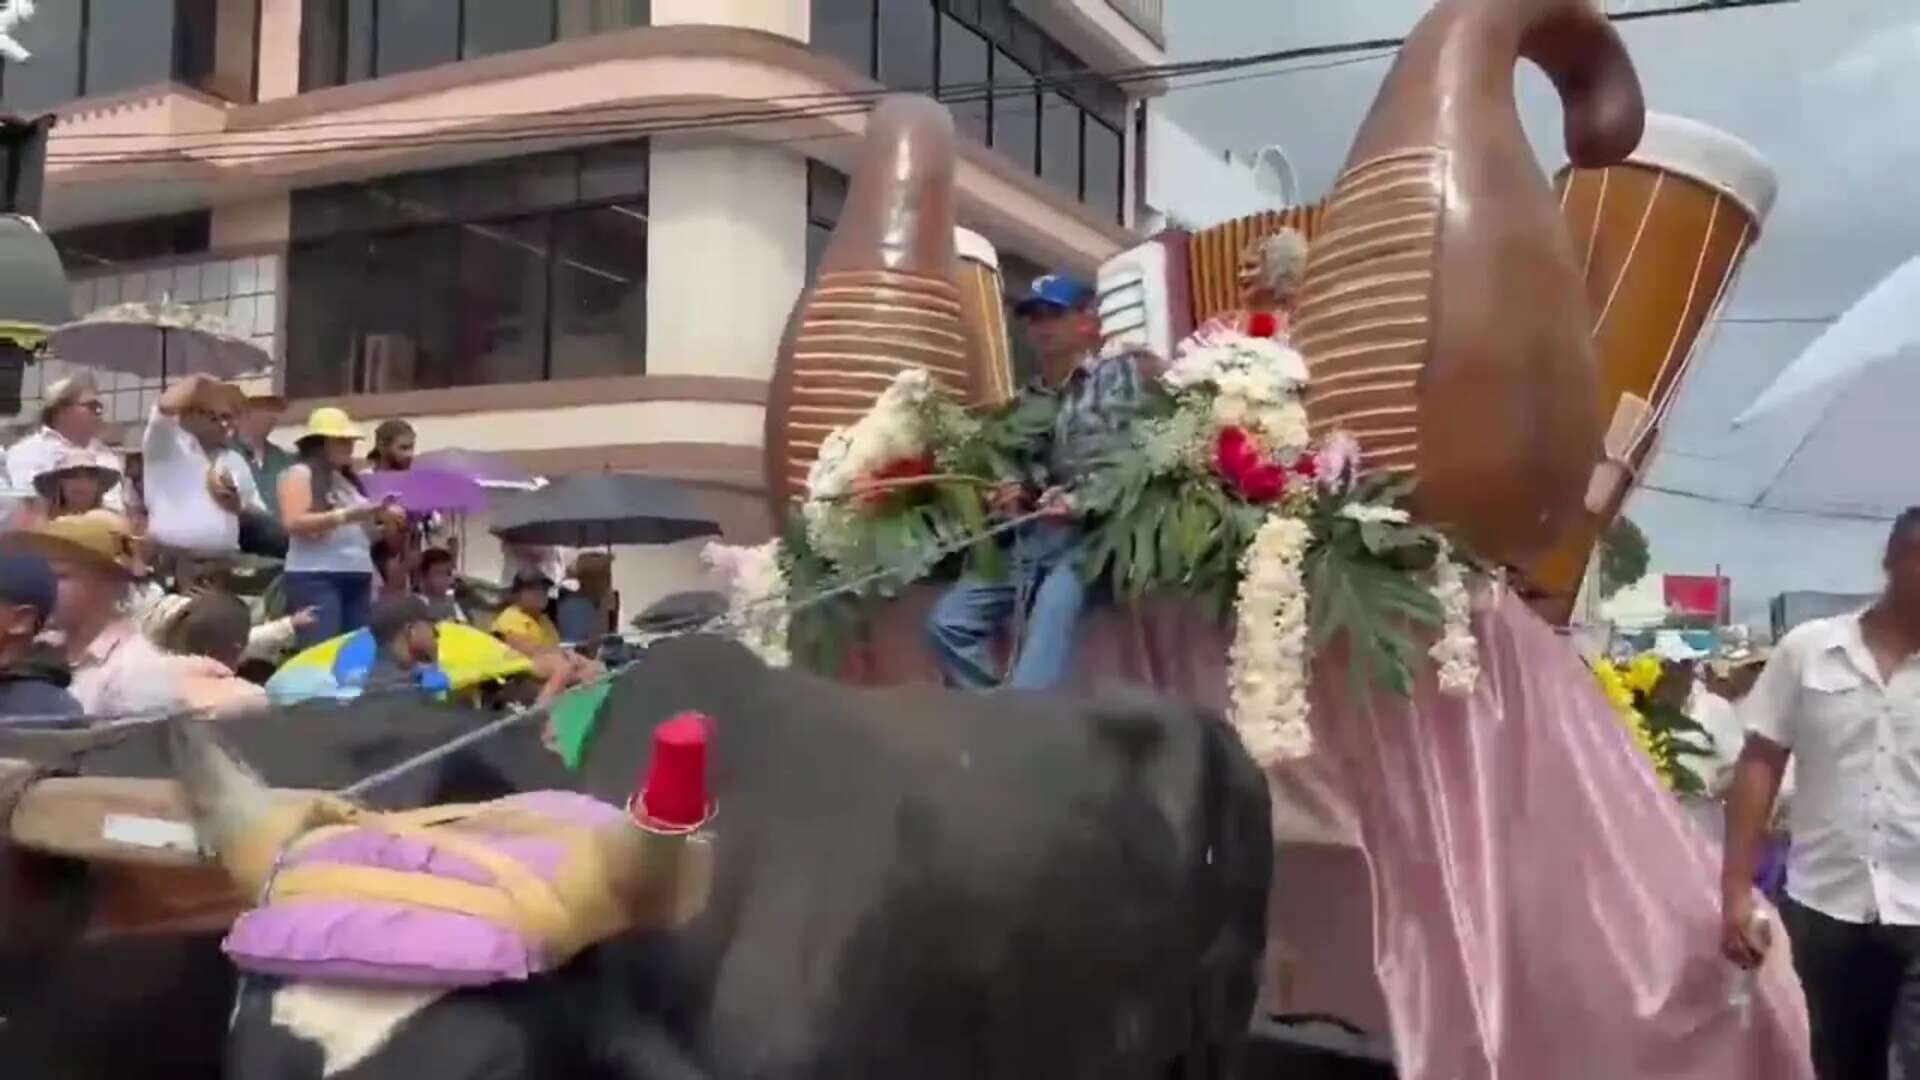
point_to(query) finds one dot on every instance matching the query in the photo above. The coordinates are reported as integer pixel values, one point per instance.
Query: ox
(909, 883)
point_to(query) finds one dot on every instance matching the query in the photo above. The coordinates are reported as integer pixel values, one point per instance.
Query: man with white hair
(71, 418)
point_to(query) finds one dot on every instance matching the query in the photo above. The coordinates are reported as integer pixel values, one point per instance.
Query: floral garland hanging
(1267, 666)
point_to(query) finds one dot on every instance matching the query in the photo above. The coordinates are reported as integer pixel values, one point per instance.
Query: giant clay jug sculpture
(885, 298)
(1444, 320)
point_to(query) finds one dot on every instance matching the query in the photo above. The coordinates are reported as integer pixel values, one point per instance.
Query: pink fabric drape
(1540, 908)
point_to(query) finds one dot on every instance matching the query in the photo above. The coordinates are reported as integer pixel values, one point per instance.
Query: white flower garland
(895, 428)
(756, 597)
(1267, 673)
(1457, 653)
(1256, 383)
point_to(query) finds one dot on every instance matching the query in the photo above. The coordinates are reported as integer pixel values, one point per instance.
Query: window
(344, 41)
(1102, 178)
(498, 28)
(844, 29)
(508, 272)
(413, 34)
(1016, 129)
(964, 76)
(83, 48)
(906, 44)
(826, 195)
(1060, 143)
(134, 241)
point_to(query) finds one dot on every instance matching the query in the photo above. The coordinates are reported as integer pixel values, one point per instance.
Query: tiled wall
(245, 290)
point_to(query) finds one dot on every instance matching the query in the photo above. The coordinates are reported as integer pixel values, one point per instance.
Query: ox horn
(659, 863)
(242, 821)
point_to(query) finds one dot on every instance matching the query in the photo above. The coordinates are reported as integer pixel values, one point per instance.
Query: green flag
(573, 718)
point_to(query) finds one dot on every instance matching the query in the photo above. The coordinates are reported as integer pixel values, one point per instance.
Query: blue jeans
(1046, 572)
(339, 602)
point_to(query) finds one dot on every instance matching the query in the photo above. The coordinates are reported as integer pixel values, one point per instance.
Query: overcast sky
(1828, 90)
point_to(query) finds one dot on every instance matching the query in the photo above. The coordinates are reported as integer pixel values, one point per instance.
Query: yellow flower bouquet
(1666, 735)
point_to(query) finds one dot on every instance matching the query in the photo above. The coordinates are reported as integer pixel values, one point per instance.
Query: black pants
(262, 534)
(1862, 982)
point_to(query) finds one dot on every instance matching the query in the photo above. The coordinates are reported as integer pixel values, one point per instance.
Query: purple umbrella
(425, 491)
(487, 470)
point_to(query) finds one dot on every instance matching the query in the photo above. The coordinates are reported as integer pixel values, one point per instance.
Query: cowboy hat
(209, 393)
(76, 461)
(98, 538)
(328, 422)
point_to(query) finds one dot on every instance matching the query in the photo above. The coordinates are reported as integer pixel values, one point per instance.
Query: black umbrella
(34, 294)
(593, 509)
(681, 611)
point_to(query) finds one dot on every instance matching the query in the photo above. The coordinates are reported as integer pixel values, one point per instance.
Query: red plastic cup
(673, 789)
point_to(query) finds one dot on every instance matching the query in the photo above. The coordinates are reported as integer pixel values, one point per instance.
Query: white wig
(1282, 262)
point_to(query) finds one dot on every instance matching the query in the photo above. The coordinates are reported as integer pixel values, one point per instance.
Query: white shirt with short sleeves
(181, 512)
(1855, 815)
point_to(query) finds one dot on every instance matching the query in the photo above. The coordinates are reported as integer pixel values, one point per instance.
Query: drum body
(886, 298)
(1661, 237)
(983, 317)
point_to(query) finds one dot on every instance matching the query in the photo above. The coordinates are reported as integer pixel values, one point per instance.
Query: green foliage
(1363, 595)
(1624, 556)
(1684, 738)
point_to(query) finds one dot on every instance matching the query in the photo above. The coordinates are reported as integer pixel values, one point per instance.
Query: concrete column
(791, 18)
(279, 49)
(726, 254)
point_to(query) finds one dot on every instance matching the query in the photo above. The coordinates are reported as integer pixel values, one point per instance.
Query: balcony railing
(1147, 16)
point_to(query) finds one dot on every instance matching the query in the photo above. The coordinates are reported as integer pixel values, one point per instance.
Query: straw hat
(76, 461)
(214, 394)
(270, 402)
(97, 538)
(328, 422)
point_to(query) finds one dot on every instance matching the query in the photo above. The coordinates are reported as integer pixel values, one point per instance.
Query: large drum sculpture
(887, 297)
(1662, 238)
(1443, 317)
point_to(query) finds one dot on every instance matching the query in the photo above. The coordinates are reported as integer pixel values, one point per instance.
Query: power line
(234, 145)
(1747, 504)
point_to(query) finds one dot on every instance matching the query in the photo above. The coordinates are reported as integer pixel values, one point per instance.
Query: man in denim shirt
(1097, 398)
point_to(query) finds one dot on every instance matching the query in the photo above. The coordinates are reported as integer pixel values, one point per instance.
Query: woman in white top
(330, 526)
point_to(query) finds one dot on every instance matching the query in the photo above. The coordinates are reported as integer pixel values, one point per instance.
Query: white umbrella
(158, 340)
(1859, 383)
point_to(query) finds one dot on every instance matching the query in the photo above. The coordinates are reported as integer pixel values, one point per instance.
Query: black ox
(909, 884)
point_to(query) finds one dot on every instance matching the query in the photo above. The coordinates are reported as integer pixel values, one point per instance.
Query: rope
(480, 734)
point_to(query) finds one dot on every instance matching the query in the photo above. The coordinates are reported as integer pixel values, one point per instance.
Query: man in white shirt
(196, 486)
(70, 420)
(1841, 697)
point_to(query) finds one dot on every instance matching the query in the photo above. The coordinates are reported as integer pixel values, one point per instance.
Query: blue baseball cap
(1056, 291)
(26, 580)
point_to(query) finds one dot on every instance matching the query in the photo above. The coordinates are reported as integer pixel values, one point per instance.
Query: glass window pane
(578, 18)
(906, 44)
(127, 44)
(497, 26)
(196, 30)
(414, 34)
(1015, 126)
(1060, 144)
(826, 194)
(1103, 181)
(963, 75)
(323, 44)
(844, 29)
(600, 292)
(53, 75)
(618, 171)
(500, 312)
(323, 336)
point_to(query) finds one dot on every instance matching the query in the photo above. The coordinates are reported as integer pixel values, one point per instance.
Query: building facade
(566, 229)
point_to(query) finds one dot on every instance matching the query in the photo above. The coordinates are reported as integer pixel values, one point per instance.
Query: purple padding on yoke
(389, 944)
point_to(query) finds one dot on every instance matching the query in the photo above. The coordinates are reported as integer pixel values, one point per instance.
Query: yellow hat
(327, 422)
(98, 538)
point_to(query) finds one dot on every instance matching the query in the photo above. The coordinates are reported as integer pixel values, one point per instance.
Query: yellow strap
(518, 897)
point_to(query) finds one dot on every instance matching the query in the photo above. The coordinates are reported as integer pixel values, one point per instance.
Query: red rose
(902, 469)
(1239, 463)
(1262, 324)
(1307, 467)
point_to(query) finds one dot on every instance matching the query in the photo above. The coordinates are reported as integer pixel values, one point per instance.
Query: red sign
(1701, 596)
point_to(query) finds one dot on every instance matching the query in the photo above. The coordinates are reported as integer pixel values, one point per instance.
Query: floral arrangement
(1663, 733)
(1225, 493)
(756, 580)
(1221, 491)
